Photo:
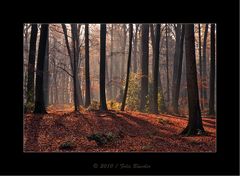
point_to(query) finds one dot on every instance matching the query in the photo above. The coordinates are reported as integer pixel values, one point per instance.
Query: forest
(125, 87)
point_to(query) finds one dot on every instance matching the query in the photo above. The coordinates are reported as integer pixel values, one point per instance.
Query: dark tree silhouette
(212, 72)
(176, 86)
(144, 78)
(156, 69)
(31, 64)
(87, 97)
(195, 125)
(39, 101)
(204, 67)
(128, 66)
(103, 105)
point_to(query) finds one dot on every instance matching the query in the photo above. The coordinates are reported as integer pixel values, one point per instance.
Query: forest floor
(130, 132)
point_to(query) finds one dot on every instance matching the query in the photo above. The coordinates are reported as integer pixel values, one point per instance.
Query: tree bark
(144, 58)
(194, 126)
(39, 101)
(87, 76)
(175, 68)
(212, 72)
(31, 65)
(75, 66)
(135, 50)
(200, 64)
(204, 67)
(178, 74)
(168, 95)
(103, 105)
(46, 74)
(156, 69)
(111, 65)
(128, 66)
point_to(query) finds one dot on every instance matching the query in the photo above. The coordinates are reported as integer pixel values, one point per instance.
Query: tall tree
(175, 67)
(103, 105)
(87, 77)
(39, 101)
(168, 95)
(135, 41)
(177, 76)
(212, 72)
(46, 74)
(156, 70)
(204, 66)
(152, 37)
(128, 66)
(73, 53)
(144, 58)
(200, 63)
(31, 65)
(111, 64)
(75, 66)
(195, 125)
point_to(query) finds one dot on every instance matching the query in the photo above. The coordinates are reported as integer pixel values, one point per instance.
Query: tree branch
(65, 71)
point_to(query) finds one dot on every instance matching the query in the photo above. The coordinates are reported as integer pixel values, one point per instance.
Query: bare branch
(65, 71)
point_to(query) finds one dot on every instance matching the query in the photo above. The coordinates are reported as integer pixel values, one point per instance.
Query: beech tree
(31, 65)
(39, 101)
(195, 125)
(128, 66)
(87, 76)
(212, 72)
(103, 105)
(144, 58)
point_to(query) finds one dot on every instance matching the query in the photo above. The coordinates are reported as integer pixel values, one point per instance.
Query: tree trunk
(111, 65)
(200, 64)
(212, 72)
(75, 67)
(128, 66)
(103, 105)
(144, 78)
(178, 73)
(168, 95)
(204, 67)
(151, 101)
(156, 69)
(194, 126)
(31, 65)
(87, 98)
(135, 50)
(39, 101)
(175, 68)
(46, 74)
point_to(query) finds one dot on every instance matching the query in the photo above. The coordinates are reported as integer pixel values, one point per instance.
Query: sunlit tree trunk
(200, 64)
(168, 95)
(111, 65)
(135, 49)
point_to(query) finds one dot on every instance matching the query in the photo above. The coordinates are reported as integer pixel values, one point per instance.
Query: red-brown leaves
(140, 132)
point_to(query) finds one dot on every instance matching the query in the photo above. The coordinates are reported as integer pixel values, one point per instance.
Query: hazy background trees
(72, 72)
